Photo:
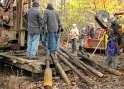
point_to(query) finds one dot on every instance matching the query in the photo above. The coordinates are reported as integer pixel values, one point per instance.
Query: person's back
(35, 25)
(82, 33)
(92, 32)
(34, 20)
(87, 30)
(51, 19)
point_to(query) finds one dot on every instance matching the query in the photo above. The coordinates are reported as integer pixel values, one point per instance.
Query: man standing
(74, 33)
(52, 21)
(35, 25)
(114, 39)
(112, 51)
(82, 34)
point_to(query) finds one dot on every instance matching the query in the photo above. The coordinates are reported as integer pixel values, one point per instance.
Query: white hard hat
(74, 25)
(111, 16)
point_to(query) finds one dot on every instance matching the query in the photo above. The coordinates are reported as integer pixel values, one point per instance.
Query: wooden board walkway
(19, 60)
(22, 62)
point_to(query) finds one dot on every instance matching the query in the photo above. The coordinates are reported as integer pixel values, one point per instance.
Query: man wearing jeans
(82, 34)
(52, 21)
(74, 33)
(35, 25)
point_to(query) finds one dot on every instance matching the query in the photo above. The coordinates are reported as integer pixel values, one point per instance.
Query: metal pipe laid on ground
(76, 63)
(94, 71)
(82, 76)
(47, 83)
(61, 71)
(113, 71)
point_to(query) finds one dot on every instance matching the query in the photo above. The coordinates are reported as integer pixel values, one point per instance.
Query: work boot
(80, 48)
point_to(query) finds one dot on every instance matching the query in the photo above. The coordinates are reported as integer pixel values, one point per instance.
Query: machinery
(98, 40)
(13, 23)
(102, 18)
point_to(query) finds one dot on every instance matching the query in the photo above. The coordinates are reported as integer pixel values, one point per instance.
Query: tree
(78, 11)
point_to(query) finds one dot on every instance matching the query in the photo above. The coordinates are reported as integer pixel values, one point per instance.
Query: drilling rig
(13, 23)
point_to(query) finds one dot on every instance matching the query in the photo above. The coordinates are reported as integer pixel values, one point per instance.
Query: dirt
(12, 78)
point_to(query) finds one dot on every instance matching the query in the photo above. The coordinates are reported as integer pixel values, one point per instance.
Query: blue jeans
(52, 42)
(73, 42)
(44, 39)
(58, 40)
(32, 46)
(81, 42)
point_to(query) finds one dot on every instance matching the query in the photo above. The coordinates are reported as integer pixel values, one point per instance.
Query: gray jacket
(82, 33)
(35, 21)
(51, 20)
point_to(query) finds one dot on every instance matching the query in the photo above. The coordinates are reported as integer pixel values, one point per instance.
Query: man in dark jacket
(112, 53)
(115, 27)
(82, 34)
(35, 25)
(52, 21)
(114, 40)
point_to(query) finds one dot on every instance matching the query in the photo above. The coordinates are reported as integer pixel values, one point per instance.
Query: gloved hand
(62, 29)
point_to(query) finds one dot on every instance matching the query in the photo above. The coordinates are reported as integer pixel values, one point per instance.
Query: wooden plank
(11, 14)
(22, 35)
(29, 3)
(30, 65)
(24, 66)
(17, 11)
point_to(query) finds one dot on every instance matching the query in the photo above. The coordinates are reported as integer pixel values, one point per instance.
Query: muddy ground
(15, 78)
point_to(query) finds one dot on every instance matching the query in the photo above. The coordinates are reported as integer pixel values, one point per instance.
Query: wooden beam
(30, 65)
(11, 14)
(19, 14)
(17, 17)
(29, 3)
(22, 32)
